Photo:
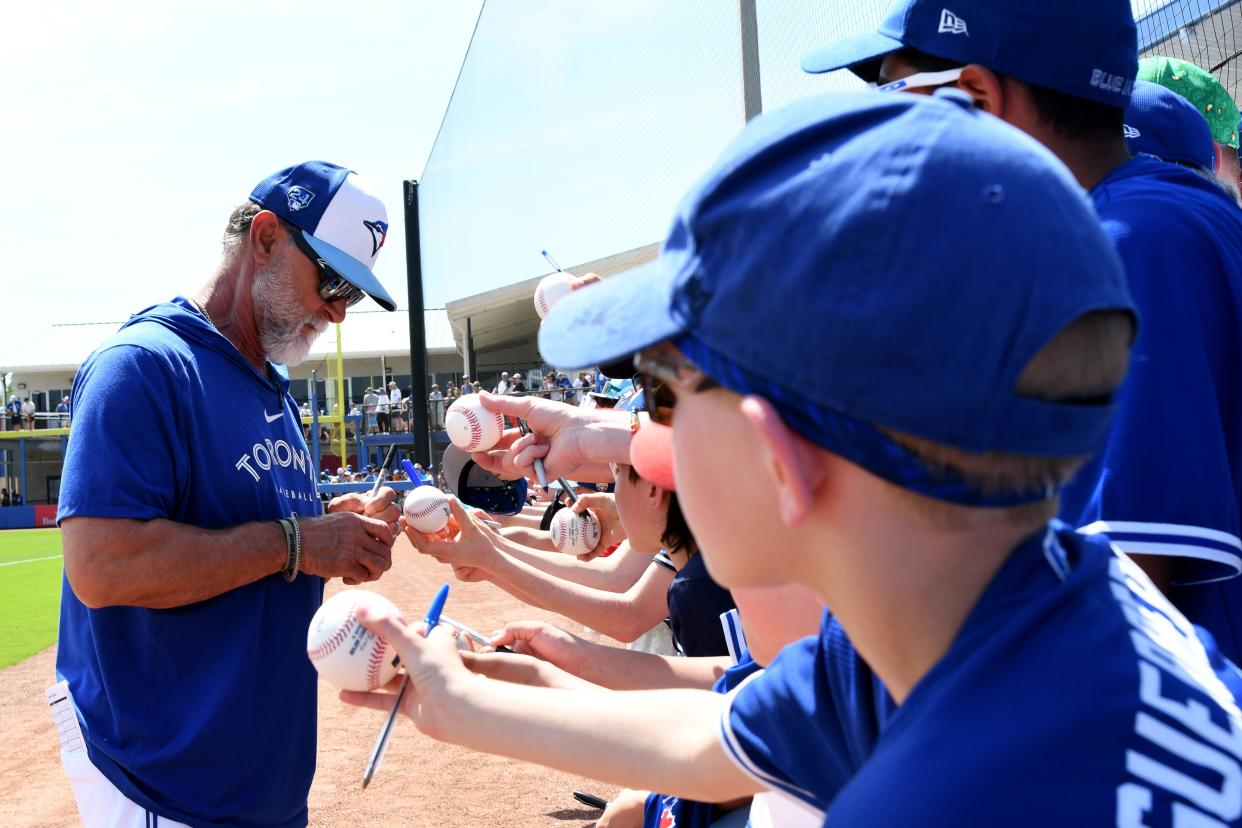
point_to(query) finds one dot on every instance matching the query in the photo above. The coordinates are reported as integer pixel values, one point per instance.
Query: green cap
(1199, 87)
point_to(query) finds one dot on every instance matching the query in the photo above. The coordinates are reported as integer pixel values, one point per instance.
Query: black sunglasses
(656, 371)
(332, 285)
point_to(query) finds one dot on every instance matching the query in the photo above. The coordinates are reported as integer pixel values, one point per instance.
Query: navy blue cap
(1088, 50)
(340, 216)
(1162, 123)
(895, 259)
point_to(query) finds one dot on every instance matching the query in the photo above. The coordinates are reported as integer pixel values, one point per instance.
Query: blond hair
(1084, 363)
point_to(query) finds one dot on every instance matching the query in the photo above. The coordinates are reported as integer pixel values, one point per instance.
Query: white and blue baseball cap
(872, 260)
(1162, 123)
(1085, 49)
(340, 216)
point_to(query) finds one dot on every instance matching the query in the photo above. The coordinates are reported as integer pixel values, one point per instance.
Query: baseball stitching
(426, 512)
(325, 648)
(476, 429)
(375, 662)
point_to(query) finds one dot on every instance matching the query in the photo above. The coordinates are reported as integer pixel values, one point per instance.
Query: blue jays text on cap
(1162, 123)
(842, 260)
(340, 217)
(1088, 50)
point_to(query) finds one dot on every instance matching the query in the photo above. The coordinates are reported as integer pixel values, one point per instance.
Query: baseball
(470, 426)
(575, 534)
(342, 650)
(552, 288)
(426, 509)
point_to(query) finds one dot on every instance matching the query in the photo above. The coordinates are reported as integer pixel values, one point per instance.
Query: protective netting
(1204, 32)
(577, 127)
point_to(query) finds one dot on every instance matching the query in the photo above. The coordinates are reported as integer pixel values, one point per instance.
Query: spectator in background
(5, 500)
(14, 409)
(28, 413)
(369, 401)
(450, 391)
(567, 388)
(395, 407)
(502, 387)
(381, 409)
(467, 387)
(62, 410)
(436, 407)
(549, 387)
(517, 386)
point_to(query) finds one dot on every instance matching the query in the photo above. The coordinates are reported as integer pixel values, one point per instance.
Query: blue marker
(411, 472)
(433, 612)
(431, 619)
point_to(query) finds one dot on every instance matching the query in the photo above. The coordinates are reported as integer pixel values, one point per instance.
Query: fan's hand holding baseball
(474, 544)
(604, 506)
(347, 544)
(571, 441)
(433, 665)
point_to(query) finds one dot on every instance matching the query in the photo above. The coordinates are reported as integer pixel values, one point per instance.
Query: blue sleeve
(125, 458)
(1164, 484)
(806, 724)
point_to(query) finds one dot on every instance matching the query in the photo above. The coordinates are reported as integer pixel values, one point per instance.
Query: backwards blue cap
(1088, 50)
(1162, 123)
(340, 217)
(873, 260)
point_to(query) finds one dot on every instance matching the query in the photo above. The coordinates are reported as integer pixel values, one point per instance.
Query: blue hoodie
(205, 713)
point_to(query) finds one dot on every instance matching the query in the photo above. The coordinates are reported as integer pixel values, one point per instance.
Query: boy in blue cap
(831, 305)
(1167, 488)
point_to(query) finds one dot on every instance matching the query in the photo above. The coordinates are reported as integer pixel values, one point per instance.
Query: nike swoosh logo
(271, 418)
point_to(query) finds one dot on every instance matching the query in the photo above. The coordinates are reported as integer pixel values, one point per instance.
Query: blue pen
(431, 619)
(433, 612)
(411, 472)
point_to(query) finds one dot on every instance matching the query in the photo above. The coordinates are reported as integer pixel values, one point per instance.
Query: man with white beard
(195, 544)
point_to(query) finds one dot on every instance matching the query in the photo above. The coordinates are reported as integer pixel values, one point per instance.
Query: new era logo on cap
(1087, 50)
(950, 23)
(1130, 132)
(339, 215)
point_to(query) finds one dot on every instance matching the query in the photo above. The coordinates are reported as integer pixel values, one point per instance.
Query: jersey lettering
(1176, 681)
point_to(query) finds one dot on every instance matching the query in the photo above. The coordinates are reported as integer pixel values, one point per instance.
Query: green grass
(29, 592)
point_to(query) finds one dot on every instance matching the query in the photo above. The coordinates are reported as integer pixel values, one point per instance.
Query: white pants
(100, 804)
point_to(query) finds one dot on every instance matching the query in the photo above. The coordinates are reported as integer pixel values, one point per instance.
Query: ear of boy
(794, 466)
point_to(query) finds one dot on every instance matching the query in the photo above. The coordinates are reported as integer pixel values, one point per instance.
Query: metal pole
(470, 355)
(314, 405)
(752, 94)
(25, 492)
(418, 328)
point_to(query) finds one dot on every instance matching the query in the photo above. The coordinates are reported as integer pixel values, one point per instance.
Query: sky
(132, 128)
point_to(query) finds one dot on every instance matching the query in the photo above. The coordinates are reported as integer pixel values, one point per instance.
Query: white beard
(282, 335)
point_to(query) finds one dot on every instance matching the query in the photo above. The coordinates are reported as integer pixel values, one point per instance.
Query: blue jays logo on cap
(379, 233)
(950, 23)
(299, 197)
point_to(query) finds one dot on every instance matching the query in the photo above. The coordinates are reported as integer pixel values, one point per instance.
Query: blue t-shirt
(206, 713)
(1074, 694)
(1169, 480)
(695, 604)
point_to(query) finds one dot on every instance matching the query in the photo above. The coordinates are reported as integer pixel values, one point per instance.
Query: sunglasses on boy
(658, 373)
(332, 285)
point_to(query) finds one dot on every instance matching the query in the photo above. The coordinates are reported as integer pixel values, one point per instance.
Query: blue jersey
(1074, 694)
(663, 811)
(205, 713)
(1169, 480)
(831, 707)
